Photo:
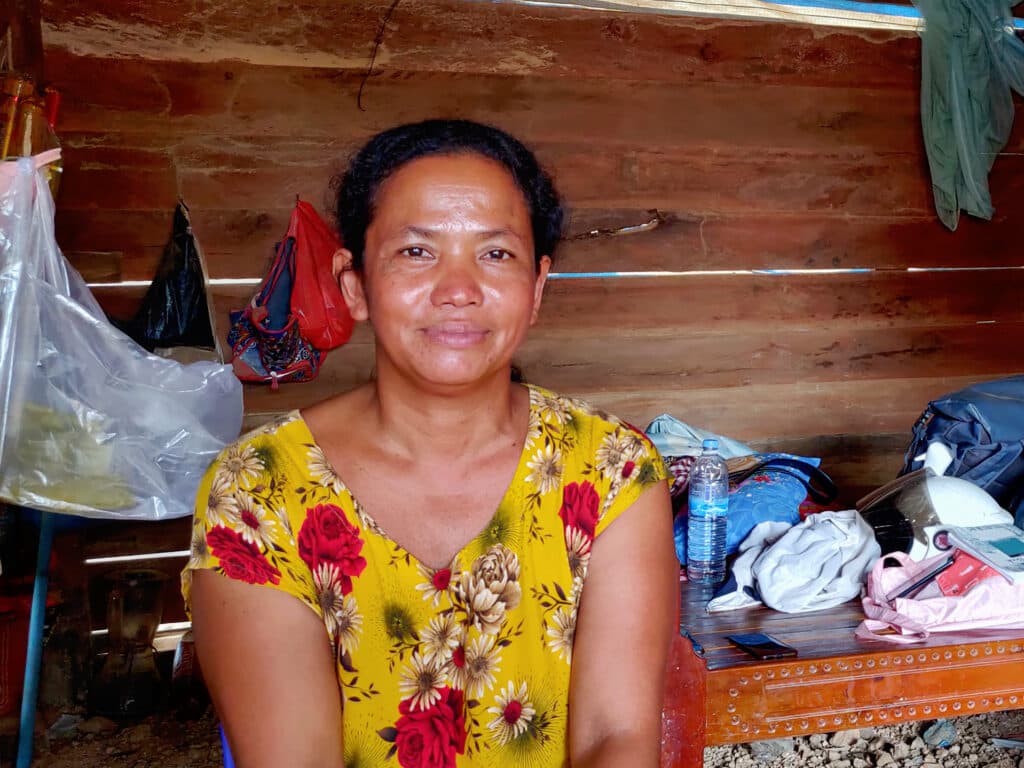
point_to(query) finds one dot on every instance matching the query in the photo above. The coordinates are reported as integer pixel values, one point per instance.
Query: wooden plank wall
(765, 147)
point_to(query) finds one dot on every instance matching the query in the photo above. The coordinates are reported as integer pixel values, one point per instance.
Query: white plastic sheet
(90, 423)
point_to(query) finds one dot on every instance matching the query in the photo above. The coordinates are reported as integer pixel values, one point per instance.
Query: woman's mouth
(457, 334)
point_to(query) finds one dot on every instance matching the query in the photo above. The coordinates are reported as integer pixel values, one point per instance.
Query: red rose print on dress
(579, 507)
(328, 538)
(430, 738)
(239, 559)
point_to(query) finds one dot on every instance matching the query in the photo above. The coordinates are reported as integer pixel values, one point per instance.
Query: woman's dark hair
(386, 152)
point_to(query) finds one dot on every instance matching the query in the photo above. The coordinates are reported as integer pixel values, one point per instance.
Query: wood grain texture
(629, 360)
(239, 242)
(839, 681)
(24, 19)
(739, 359)
(96, 266)
(732, 304)
(807, 240)
(761, 412)
(269, 172)
(462, 37)
(751, 173)
(728, 305)
(750, 413)
(683, 731)
(121, 189)
(247, 100)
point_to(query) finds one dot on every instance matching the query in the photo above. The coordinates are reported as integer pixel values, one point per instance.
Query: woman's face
(449, 281)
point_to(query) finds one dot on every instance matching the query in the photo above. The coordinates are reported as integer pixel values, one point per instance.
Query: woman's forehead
(447, 188)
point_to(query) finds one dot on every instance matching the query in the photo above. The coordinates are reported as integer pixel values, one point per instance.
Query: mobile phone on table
(762, 646)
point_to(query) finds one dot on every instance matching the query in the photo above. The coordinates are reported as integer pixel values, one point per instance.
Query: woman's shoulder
(587, 442)
(580, 416)
(253, 451)
(281, 429)
(602, 462)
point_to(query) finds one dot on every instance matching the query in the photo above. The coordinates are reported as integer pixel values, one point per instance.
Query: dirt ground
(157, 742)
(163, 742)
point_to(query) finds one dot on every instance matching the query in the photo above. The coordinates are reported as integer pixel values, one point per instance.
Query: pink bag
(992, 604)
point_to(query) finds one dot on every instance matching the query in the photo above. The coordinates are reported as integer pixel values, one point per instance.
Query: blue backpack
(983, 425)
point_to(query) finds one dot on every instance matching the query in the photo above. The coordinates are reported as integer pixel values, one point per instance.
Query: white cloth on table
(816, 564)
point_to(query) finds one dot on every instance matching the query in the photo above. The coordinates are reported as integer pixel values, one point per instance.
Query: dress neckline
(371, 526)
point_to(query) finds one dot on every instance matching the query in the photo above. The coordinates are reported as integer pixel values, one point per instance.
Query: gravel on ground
(164, 742)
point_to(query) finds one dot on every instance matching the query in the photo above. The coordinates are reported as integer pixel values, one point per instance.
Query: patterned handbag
(267, 345)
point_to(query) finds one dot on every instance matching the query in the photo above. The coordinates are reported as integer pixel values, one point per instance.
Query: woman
(475, 600)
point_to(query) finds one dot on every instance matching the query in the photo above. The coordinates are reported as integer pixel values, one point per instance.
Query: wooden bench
(717, 694)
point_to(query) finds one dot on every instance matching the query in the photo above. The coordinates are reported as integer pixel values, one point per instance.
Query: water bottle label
(707, 499)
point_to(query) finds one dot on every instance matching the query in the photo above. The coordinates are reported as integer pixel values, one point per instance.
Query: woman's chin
(458, 373)
(454, 379)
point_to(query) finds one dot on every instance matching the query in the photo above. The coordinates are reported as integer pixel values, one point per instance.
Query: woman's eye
(499, 254)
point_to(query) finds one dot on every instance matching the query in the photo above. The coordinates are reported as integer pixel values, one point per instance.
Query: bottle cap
(710, 444)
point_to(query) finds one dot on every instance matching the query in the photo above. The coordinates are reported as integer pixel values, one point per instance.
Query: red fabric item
(323, 315)
(808, 508)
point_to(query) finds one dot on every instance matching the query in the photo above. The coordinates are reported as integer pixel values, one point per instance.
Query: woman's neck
(474, 420)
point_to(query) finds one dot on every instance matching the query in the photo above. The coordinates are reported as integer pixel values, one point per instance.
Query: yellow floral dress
(459, 666)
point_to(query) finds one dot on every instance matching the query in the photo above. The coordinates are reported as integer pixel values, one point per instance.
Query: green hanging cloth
(971, 59)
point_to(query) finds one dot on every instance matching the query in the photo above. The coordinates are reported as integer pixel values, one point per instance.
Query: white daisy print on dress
(240, 464)
(513, 713)
(545, 469)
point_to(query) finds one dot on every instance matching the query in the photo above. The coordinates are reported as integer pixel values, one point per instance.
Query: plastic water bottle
(709, 503)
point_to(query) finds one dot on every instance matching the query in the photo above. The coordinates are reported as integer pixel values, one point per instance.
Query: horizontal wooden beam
(631, 359)
(240, 100)
(754, 412)
(472, 37)
(747, 304)
(239, 242)
(268, 173)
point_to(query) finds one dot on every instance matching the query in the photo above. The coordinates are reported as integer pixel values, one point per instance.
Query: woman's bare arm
(628, 615)
(267, 661)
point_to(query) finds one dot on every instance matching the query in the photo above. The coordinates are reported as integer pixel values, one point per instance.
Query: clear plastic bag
(90, 423)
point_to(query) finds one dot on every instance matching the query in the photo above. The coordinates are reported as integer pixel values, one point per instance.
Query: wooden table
(716, 694)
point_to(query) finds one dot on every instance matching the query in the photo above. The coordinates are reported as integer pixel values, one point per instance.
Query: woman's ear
(350, 280)
(543, 267)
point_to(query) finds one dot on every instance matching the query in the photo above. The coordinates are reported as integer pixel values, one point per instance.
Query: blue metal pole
(229, 761)
(34, 657)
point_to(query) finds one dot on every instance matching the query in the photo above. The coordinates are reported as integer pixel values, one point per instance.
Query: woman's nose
(457, 285)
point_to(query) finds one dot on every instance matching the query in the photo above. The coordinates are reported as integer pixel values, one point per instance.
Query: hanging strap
(820, 487)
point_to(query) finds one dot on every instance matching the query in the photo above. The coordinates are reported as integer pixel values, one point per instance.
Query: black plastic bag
(174, 312)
